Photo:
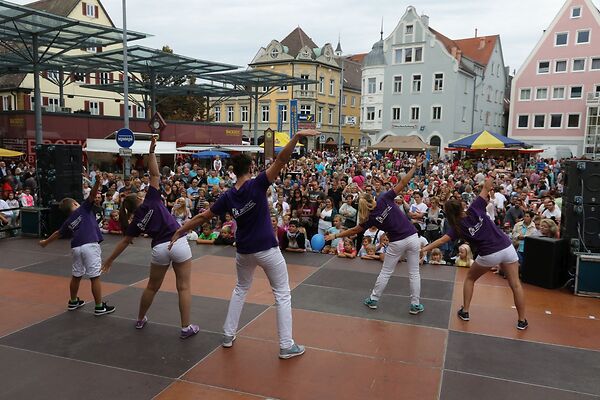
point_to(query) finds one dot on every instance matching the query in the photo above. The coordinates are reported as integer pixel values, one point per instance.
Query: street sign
(123, 152)
(322, 138)
(125, 138)
(306, 118)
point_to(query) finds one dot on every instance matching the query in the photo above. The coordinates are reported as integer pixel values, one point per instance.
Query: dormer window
(274, 52)
(575, 12)
(409, 29)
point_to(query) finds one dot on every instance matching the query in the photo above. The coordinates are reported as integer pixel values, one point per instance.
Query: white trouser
(409, 248)
(273, 263)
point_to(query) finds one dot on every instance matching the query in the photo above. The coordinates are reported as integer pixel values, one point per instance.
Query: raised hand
(307, 132)
(153, 143)
(419, 161)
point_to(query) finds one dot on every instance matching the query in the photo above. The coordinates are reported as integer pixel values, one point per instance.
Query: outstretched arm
(284, 156)
(434, 245)
(153, 165)
(404, 181)
(52, 238)
(198, 220)
(348, 232)
(94, 191)
(119, 248)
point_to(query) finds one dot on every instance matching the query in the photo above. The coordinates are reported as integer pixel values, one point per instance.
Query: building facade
(297, 55)
(555, 93)
(16, 91)
(419, 82)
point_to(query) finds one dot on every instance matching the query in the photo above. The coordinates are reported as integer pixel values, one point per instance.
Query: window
(344, 100)
(352, 101)
(561, 39)
(415, 113)
(573, 121)
(464, 114)
(104, 78)
(79, 76)
(583, 36)
(230, 112)
(381, 86)
(95, 108)
(409, 29)
(90, 10)
(321, 84)
(575, 12)
(524, 95)
(556, 121)
(141, 112)
(305, 109)
(578, 64)
(438, 82)
(379, 113)
(411, 55)
(217, 114)
(558, 93)
(6, 104)
(398, 84)
(396, 114)
(370, 113)
(265, 113)
(372, 85)
(244, 114)
(595, 64)
(576, 92)
(320, 115)
(304, 86)
(543, 67)
(331, 87)
(283, 88)
(539, 121)
(330, 116)
(398, 56)
(284, 113)
(265, 89)
(560, 66)
(130, 111)
(53, 104)
(487, 117)
(54, 75)
(408, 55)
(416, 83)
(436, 113)
(91, 49)
(274, 52)
(541, 94)
(523, 121)
(418, 54)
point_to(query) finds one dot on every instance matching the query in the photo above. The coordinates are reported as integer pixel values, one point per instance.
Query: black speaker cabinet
(41, 222)
(582, 182)
(545, 262)
(582, 222)
(59, 170)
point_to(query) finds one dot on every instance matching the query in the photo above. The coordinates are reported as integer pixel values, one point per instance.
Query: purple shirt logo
(142, 224)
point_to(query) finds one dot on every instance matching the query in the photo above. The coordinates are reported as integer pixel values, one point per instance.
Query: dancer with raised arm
(256, 243)
(493, 245)
(404, 241)
(152, 218)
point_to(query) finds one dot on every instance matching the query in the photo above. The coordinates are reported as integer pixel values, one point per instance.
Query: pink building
(555, 95)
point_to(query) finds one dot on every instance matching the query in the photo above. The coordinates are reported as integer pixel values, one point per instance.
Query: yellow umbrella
(281, 139)
(9, 153)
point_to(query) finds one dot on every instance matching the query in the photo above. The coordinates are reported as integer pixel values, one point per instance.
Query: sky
(232, 31)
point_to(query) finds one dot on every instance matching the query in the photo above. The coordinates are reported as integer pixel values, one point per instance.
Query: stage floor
(352, 352)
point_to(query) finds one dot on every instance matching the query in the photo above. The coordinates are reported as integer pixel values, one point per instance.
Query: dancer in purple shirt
(256, 243)
(404, 241)
(495, 248)
(152, 218)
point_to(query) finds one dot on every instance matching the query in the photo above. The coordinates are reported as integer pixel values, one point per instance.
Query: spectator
(548, 228)
(522, 229)
(552, 211)
(465, 256)
(347, 249)
(181, 212)
(26, 198)
(326, 212)
(294, 240)
(207, 236)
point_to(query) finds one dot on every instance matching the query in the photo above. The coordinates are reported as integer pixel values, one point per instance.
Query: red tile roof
(357, 57)
(478, 49)
(296, 40)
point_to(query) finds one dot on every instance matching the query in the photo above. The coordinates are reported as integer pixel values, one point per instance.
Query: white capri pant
(505, 256)
(180, 252)
(410, 249)
(273, 263)
(87, 260)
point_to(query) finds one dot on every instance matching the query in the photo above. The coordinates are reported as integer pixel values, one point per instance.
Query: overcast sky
(232, 31)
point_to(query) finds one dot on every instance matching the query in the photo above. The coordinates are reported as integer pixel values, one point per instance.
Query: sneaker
(74, 305)
(189, 330)
(462, 314)
(416, 309)
(104, 309)
(293, 351)
(522, 325)
(141, 323)
(228, 340)
(369, 302)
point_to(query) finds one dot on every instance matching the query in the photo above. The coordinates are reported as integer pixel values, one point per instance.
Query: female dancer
(495, 248)
(404, 242)
(256, 243)
(152, 218)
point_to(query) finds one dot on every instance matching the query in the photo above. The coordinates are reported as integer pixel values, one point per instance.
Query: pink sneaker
(188, 331)
(141, 323)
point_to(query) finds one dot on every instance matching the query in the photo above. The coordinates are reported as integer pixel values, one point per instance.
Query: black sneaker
(104, 309)
(522, 325)
(74, 305)
(462, 314)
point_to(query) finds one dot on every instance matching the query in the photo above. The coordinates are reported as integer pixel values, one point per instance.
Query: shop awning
(220, 147)
(402, 143)
(139, 147)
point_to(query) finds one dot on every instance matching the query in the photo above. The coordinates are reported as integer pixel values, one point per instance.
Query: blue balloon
(317, 242)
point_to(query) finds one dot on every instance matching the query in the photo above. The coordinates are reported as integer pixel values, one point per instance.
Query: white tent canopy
(139, 147)
(220, 147)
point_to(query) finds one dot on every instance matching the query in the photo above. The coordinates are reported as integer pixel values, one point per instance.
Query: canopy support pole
(256, 115)
(37, 94)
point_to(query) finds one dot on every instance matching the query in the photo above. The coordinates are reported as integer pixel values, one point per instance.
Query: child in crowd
(113, 226)
(229, 222)
(366, 241)
(422, 241)
(331, 248)
(371, 253)
(347, 249)
(465, 256)
(374, 233)
(226, 237)
(81, 225)
(181, 212)
(207, 236)
(294, 240)
(383, 246)
(436, 257)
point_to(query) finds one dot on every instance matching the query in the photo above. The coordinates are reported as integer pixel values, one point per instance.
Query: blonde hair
(366, 204)
(469, 259)
(182, 209)
(552, 227)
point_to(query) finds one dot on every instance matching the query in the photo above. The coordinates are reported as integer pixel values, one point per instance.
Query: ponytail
(128, 207)
(453, 210)
(366, 203)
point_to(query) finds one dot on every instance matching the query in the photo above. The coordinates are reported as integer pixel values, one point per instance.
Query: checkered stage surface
(352, 352)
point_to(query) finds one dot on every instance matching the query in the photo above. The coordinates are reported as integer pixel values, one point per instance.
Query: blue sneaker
(369, 302)
(293, 351)
(416, 309)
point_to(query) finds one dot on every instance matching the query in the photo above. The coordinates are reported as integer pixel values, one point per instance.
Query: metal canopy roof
(184, 90)
(142, 59)
(257, 78)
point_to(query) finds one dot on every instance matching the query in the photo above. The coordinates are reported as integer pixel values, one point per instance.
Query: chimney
(458, 55)
(481, 43)
(425, 20)
(454, 51)
(475, 32)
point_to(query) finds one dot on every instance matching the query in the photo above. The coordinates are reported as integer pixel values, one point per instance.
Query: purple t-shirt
(82, 226)
(153, 219)
(387, 216)
(250, 209)
(478, 228)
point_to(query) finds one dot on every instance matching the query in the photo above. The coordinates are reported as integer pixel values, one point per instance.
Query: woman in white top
(348, 212)
(326, 213)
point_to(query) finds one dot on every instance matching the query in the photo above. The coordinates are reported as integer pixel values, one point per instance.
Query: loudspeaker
(59, 170)
(587, 279)
(581, 222)
(545, 262)
(40, 221)
(582, 182)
